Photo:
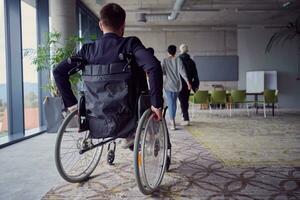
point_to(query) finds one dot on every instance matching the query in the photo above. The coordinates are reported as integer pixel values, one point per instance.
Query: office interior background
(233, 32)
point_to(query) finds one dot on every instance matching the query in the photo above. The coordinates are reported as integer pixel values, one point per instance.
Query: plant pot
(53, 113)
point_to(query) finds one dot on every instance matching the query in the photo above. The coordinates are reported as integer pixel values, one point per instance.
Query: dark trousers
(183, 97)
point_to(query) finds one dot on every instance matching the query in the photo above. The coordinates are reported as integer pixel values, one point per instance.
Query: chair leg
(230, 109)
(265, 115)
(221, 110)
(209, 108)
(193, 110)
(247, 105)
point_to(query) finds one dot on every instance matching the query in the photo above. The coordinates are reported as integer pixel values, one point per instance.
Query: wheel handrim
(75, 166)
(153, 153)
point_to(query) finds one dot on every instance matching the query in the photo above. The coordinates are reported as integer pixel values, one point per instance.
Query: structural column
(63, 17)
(42, 7)
(14, 69)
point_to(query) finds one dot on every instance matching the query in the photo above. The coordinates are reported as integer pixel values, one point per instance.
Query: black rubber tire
(59, 165)
(168, 163)
(131, 148)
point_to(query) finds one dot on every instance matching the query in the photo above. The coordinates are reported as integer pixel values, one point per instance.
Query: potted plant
(46, 57)
(287, 33)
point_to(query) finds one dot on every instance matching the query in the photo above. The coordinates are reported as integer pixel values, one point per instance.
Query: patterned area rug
(195, 174)
(249, 141)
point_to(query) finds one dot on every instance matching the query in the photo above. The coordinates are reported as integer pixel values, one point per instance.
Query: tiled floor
(27, 168)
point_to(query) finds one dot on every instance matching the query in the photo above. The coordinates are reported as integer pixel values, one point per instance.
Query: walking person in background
(192, 75)
(172, 68)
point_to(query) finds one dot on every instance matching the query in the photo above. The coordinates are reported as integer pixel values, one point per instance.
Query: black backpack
(109, 105)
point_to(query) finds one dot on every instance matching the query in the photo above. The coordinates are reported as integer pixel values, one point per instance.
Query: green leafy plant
(287, 33)
(47, 56)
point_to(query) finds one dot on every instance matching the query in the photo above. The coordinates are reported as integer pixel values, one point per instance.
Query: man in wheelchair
(114, 77)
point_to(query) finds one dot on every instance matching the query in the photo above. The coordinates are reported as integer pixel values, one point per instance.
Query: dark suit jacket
(191, 72)
(106, 50)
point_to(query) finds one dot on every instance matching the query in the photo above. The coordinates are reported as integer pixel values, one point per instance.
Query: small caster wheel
(168, 163)
(131, 147)
(110, 157)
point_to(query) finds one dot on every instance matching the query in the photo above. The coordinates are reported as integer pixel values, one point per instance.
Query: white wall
(206, 42)
(283, 59)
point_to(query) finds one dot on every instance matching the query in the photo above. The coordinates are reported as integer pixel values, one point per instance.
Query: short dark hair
(112, 15)
(172, 49)
(151, 50)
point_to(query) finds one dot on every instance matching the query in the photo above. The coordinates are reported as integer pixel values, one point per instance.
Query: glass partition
(30, 75)
(3, 88)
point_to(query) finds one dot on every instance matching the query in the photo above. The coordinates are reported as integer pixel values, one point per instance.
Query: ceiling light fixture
(286, 4)
(141, 17)
(150, 17)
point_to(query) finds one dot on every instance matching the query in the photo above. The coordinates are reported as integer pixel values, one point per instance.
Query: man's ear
(100, 26)
(122, 29)
(123, 26)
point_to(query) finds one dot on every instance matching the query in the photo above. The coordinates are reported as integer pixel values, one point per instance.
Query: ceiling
(206, 12)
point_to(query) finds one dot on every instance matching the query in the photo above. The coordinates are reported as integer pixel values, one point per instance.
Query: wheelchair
(77, 154)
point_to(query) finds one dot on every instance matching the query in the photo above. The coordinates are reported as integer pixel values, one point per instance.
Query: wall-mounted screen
(217, 68)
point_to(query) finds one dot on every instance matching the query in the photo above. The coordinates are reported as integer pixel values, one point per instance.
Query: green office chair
(200, 97)
(218, 97)
(276, 96)
(191, 98)
(238, 97)
(270, 97)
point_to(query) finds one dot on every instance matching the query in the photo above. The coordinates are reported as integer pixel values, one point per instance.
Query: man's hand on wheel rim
(72, 108)
(158, 113)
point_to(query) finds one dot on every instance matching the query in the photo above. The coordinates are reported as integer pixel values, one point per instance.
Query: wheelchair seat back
(111, 98)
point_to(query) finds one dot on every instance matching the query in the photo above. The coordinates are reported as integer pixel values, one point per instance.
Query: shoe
(127, 143)
(185, 123)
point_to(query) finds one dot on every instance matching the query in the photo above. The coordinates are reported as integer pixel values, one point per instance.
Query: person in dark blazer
(106, 50)
(192, 74)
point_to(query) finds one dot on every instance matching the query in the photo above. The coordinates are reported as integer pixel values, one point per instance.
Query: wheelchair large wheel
(150, 152)
(72, 166)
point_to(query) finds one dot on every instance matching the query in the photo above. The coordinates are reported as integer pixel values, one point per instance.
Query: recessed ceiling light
(286, 4)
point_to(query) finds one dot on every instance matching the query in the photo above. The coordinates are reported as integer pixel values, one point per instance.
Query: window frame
(14, 70)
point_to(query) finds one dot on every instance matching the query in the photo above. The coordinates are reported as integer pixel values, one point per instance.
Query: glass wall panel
(30, 75)
(3, 89)
(88, 26)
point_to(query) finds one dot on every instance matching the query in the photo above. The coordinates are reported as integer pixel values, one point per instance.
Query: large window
(3, 89)
(88, 25)
(30, 75)
(23, 24)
